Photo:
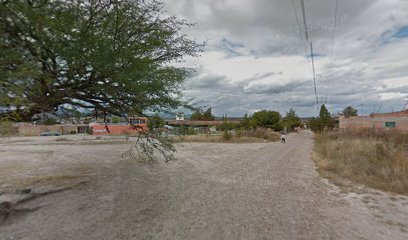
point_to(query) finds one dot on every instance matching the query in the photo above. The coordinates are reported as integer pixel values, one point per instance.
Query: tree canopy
(350, 111)
(268, 119)
(323, 122)
(291, 120)
(203, 115)
(112, 56)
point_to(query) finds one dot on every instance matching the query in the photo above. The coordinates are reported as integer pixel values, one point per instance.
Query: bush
(7, 129)
(239, 133)
(227, 135)
(227, 126)
(155, 122)
(115, 119)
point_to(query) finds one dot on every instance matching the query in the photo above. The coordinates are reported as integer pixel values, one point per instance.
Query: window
(137, 121)
(389, 124)
(134, 121)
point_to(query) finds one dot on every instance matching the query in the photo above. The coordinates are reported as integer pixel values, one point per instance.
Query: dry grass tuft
(62, 139)
(378, 160)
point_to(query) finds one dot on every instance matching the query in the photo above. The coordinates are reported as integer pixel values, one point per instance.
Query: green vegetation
(235, 136)
(203, 116)
(50, 121)
(268, 119)
(291, 120)
(378, 160)
(112, 56)
(323, 122)
(228, 126)
(7, 129)
(115, 119)
(248, 123)
(155, 122)
(227, 135)
(350, 111)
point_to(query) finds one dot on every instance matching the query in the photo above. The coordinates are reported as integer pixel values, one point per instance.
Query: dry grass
(62, 139)
(378, 160)
(235, 137)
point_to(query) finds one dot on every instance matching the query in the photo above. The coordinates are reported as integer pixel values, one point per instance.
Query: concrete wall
(36, 130)
(376, 121)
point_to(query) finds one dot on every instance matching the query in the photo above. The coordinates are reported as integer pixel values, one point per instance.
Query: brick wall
(376, 121)
(36, 130)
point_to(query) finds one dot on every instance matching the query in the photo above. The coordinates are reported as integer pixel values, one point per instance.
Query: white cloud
(255, 58)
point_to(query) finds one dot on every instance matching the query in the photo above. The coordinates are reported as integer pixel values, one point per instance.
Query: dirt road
(212, 191)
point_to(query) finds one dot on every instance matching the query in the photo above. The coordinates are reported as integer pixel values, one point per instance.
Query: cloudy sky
(256, 57)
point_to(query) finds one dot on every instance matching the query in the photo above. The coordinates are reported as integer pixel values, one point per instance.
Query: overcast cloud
(256, 58)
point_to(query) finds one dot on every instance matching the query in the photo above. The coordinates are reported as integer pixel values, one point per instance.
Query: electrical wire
(297, 19)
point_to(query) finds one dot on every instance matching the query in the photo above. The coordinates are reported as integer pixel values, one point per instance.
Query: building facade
(377, 121)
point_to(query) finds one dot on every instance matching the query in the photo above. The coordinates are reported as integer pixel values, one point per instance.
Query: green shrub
(227, 135)
(226, 125)
(7, 129)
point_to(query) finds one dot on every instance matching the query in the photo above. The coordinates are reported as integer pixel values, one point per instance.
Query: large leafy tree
(268, 119)
(114, 56)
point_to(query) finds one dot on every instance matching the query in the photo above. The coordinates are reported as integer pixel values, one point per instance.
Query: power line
(330, 70)
(334, 25)
(314, 76)
(302, 2)
(297, 19)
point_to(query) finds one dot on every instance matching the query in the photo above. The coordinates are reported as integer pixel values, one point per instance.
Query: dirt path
(212, 191)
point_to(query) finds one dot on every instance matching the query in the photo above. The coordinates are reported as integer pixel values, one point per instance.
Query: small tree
(315, 125)
(247, 122)
(199, 115)
(350, 111)
(291, 120)
(324, 121)
(325, 118)
(207, 115)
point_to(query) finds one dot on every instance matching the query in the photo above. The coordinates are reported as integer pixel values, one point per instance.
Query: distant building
(377, 121)
(180, 116)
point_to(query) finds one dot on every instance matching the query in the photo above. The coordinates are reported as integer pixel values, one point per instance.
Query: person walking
(283, 138)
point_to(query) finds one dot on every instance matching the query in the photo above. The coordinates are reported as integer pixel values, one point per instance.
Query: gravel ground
(212, 191)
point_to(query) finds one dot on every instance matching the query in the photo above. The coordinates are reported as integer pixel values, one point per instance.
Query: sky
(256, 55)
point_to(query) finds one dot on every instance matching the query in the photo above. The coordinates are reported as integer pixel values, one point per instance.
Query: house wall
(376, 121)
(36, 130)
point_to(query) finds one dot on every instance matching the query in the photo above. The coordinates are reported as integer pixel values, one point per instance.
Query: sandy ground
(211, 191)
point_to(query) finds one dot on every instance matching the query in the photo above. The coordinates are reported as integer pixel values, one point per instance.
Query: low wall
(36, 130)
